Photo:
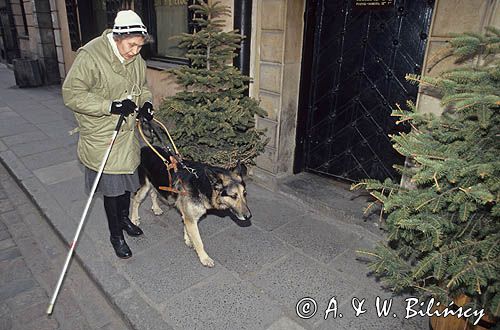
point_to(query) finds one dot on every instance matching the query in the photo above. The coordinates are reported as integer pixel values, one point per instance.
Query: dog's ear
(214, 179)
(240, 169)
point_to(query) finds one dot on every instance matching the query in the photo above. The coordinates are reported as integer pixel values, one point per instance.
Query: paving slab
(316, 238)
(9, 254)
(40, 115)
(25, 149)
(59, 129)
(27, 299)
(6, 205)
(49, 158)
(175, 269)
(59, 172)
(16, 287)
(71, 195)
(24, 138)
(4, 234)
(141, 314)
(15, 126)
(12, 270)
(297, 276)
(221, 302)
(330, 197)
(6, 114)
(245, 249)
(263, 202)
(105, 274)
(285, 323)
(15, 165)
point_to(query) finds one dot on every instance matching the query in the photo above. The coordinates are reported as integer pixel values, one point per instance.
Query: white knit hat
(128, 22)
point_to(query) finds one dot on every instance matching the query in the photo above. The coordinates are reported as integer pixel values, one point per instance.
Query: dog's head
(229, 190)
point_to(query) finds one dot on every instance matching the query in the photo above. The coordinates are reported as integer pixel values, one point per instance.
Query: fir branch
(472, 266)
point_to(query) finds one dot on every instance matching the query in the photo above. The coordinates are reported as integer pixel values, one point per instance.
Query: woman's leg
(113, 213)
(126, 224)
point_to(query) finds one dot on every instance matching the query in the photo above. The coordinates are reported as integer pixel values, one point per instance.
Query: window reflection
(171, 20)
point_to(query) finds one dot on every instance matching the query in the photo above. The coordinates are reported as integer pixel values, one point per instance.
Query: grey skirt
(112, 185)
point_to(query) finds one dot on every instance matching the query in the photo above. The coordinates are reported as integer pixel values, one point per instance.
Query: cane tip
(49, 310)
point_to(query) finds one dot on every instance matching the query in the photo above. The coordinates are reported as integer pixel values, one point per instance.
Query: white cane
(82, 219)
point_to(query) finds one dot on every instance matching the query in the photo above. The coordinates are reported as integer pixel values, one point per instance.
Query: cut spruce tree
(443, 231)
(213, 120)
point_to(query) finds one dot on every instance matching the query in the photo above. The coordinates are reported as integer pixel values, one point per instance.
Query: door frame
(305, 90)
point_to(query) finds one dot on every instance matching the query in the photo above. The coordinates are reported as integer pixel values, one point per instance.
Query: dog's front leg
(191, 228)
(194, 234)
(154, 200)
(187, 240)
(137, 200)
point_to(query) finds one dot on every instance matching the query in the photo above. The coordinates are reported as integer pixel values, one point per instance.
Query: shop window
(88, 19)
(165, 19)
(73, 26)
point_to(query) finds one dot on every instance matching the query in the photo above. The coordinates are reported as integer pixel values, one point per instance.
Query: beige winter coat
(96, 78)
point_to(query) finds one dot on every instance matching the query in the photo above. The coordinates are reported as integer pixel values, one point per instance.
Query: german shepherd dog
(202, 188)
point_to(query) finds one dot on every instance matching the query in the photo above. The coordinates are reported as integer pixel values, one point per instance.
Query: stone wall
(39, 42)
(23, 37)
(65, 54)
(22, 33)
(276, 54)
(453, 16)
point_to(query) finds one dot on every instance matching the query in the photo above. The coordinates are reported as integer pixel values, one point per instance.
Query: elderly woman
(108, 79)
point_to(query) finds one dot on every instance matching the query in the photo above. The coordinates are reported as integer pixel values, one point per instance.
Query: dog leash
(172, 162)
(176, 154)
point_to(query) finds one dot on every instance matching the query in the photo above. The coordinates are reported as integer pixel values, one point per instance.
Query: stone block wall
(276, 54)
(44, 12)
(37, 40)
(22, 31)
(453, 16)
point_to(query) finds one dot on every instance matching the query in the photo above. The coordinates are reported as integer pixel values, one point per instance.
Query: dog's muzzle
(247, 215)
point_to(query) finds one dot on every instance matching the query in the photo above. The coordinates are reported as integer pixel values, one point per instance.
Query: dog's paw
(136, 221)
(188, 242)
(157, 210)
(207, 261)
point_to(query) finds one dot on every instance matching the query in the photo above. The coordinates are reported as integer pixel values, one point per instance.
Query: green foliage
(444, 231)
(213, 120)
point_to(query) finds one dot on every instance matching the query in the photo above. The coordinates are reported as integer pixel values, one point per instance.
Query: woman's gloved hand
(123, 107)
(146, 111)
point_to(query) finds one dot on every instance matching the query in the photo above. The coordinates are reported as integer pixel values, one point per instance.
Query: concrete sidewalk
(262, 271)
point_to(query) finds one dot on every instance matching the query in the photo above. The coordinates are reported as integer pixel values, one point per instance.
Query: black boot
(126, 224)
(121, 248)
(116, 235)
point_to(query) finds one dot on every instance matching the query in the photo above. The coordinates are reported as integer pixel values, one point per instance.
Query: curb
(49, 208)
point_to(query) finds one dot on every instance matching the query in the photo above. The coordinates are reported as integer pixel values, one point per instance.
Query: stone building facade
(35, 29)
(278, 29)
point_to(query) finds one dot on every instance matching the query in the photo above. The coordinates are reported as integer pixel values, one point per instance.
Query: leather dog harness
(170, 164)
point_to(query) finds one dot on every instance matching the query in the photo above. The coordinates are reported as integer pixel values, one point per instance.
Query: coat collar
(112, 42)
(116, 64)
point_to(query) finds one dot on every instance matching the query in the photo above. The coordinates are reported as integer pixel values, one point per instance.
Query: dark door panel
(354, 64)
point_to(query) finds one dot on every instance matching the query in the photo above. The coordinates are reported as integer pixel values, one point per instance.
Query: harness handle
(170, 164)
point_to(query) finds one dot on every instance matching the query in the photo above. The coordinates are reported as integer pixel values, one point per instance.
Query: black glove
(123, 107)
(146, 111)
